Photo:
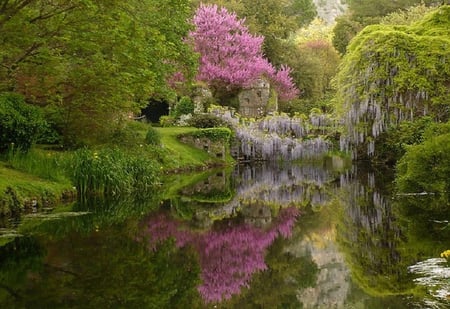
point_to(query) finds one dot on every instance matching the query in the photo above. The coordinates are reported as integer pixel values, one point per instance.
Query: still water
(319, 235)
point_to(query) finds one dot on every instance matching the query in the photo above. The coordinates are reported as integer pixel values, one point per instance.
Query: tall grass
(112, 172)
(49, 165)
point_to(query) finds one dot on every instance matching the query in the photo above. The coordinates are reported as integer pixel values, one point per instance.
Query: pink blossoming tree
(230, 56)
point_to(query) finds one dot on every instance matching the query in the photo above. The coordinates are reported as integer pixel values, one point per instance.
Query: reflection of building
(257, 214)
(333, 280)
(256, 101)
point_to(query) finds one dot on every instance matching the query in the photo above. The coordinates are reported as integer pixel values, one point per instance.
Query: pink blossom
(232, 57)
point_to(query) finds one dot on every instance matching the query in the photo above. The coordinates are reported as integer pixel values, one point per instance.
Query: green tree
(92, 62)
(367, 12)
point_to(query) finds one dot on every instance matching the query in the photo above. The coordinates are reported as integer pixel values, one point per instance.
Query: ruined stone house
(257, 100)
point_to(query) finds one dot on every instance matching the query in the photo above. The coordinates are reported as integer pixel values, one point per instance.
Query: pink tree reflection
(228, 257)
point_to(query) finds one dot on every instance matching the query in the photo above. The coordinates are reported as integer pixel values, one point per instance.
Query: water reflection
(262, 236)
(229, 255)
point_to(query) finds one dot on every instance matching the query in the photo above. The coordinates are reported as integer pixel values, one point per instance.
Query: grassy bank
(19, 190)
(43, 177)
(184, 156)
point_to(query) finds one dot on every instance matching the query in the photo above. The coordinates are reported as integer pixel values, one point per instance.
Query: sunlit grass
(182, 155)
(23, 186)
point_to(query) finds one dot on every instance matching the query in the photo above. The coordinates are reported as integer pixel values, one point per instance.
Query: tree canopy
(230, 56)
(89, 61)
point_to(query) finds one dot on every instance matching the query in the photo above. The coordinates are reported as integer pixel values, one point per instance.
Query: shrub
(206, 121)
(426, 167)
(20, 123)
(183, 107)
(125, 136)
(167, 121)
(152, 137)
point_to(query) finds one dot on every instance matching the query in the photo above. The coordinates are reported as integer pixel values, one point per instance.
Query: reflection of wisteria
(228, 256)
(276, 137)
(371, 235)
(288, 185)
(265, 186)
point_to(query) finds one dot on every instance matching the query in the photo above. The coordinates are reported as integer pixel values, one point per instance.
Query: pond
(316, 235)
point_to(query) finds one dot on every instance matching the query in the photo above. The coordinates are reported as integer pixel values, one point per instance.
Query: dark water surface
(306, 236)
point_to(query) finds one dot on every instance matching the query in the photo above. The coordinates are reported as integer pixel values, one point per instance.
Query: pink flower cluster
(228, 257)
(231, 56)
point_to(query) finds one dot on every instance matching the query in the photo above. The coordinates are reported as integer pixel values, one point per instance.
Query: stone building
(257, 100)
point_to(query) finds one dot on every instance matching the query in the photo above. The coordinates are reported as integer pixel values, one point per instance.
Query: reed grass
(112, 172)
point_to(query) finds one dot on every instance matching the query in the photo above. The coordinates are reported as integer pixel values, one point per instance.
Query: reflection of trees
(229, 256)
(89, 216)
(110, 270)
(371, 238)
(278, 286)
(265, 185)
(17, 259)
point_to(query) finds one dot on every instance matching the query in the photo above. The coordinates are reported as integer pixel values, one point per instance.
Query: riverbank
(20, 191)
(22, 188)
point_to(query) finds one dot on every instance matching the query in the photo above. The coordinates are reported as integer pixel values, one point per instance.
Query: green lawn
(182, 155)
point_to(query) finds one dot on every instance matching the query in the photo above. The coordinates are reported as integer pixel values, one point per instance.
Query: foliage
(206, 121)
(318, 64)
(231, 57)
(372, 11)
(124, 135)
(152, 137)
(316, 30)
(184, 106)
(394, 73)
(392, 144)
(92, 61)
(111, 172)
(344, 30)
(406, 17)
(367, 12)
(167, 121)
(426, 167)
(20, 123)
(214, 134)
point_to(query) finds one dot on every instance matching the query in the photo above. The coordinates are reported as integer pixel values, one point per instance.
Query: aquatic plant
(112, 172)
